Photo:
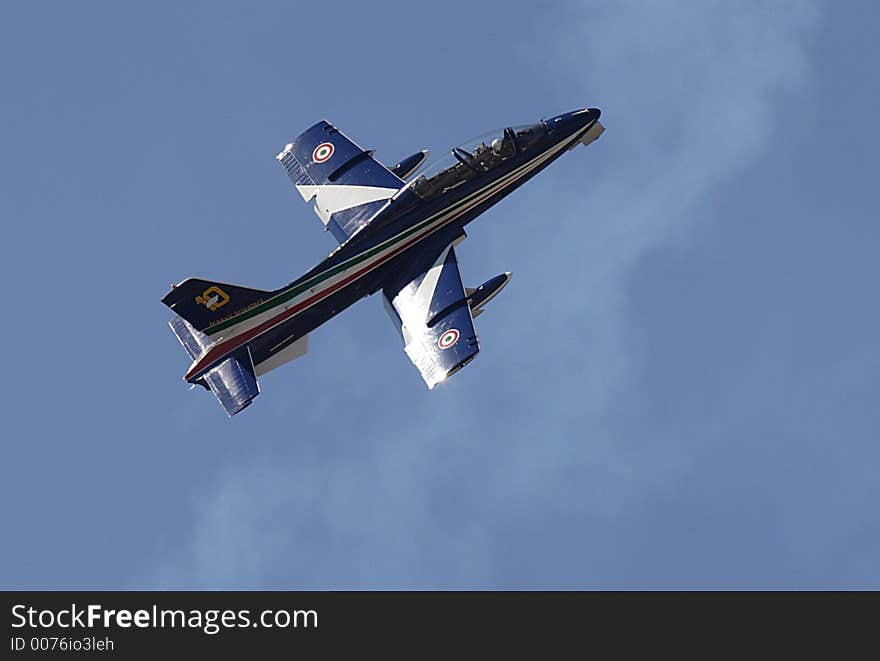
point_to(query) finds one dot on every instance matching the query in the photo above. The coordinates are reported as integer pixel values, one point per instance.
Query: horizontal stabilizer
(233, 381)
(194, 342)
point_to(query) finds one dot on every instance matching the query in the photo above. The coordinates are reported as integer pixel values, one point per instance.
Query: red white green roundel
(448, 338)
(322, 152)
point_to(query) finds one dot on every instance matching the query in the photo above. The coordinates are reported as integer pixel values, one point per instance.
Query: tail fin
(202, 302)
(233, 381)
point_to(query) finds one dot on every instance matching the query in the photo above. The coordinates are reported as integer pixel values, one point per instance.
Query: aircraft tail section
(202, 302)
(233, 381)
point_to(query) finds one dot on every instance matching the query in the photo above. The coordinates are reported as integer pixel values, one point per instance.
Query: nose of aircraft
(569, 122)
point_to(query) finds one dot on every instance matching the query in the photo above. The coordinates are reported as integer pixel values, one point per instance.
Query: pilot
(497, 145)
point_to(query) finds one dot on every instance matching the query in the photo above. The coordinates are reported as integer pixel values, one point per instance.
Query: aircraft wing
(347, 185)
(429, 306)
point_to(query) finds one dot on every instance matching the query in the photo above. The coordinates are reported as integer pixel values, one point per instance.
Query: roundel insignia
(322, 152)
(448, 338)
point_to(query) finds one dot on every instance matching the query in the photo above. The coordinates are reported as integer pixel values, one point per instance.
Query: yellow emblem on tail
(213, 298)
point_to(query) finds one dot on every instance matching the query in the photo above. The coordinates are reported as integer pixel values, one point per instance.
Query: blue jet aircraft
(397, 228)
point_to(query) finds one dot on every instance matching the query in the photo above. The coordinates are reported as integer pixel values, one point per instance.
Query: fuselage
(423, 210)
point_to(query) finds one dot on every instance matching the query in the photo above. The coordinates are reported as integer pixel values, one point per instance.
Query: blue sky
(677, 390)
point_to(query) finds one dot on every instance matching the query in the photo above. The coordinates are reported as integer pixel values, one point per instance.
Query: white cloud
(688, 92)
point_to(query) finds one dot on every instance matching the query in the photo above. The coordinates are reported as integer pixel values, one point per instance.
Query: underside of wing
(345, 183)
(430, 307)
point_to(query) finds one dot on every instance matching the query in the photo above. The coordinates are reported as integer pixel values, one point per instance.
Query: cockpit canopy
(476, 157)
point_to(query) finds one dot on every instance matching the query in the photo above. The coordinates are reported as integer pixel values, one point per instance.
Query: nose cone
(569, 122)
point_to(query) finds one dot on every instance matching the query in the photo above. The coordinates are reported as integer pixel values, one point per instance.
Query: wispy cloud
(423, 496)
(688, 91)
